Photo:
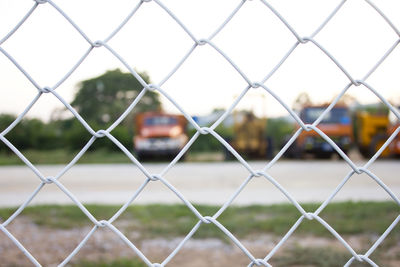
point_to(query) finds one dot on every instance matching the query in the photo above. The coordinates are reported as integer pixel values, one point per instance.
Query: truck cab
(159, 134)
(336, 124)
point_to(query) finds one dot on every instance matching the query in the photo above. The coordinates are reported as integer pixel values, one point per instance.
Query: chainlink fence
(159, 178)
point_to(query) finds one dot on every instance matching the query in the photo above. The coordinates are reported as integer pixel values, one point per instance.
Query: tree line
(100, 101)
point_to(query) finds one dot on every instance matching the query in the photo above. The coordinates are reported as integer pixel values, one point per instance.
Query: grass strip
(158, 220)
(59, 156)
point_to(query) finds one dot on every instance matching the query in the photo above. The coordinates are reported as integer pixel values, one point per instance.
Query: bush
(278, 129)
(70, 134)
(208, 143)
(29, 134)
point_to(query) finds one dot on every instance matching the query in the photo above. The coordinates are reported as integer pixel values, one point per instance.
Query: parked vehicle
(394, 146)
(159, 134)
(372, 131)
(249, 138)
(336, 124)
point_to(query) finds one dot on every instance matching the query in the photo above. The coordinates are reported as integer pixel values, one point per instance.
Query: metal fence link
(159, 178)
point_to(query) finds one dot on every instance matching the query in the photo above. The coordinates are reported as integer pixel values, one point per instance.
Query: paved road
(206, 183)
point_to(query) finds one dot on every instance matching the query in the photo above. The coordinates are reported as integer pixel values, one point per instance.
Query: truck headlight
(345, 140)
(174, 143)
(141, 144)
(179, 141)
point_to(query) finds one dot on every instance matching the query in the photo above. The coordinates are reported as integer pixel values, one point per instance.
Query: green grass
(63, 157)
(166, 221)
(347, 218)
(321, 257)
(91, 157)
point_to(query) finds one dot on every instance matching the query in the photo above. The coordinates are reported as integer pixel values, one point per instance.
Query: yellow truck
(249, 138)
(372, 130)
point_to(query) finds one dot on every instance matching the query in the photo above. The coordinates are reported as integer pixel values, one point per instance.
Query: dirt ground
(51, 246)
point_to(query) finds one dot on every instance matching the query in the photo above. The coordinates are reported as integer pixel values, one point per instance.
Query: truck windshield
(160, 120)
(336, 115)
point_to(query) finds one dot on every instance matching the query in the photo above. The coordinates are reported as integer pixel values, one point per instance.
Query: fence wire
(159, 178)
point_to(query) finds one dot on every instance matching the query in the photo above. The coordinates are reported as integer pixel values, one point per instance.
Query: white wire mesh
(159, 178)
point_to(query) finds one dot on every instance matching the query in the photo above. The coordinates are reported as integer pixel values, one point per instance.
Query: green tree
(29, 134)
(104, 98)
(279, 129)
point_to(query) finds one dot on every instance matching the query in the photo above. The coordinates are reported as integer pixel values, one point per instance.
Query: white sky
(47, 47)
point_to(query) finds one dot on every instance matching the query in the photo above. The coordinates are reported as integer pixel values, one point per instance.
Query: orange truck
(395, 144)
(336, 124)
(159, 134)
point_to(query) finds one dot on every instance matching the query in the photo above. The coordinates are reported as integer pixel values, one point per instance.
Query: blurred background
(205, 86)
(100, 89)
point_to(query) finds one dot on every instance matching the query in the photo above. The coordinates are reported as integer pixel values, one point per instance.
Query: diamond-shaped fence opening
(299, 39)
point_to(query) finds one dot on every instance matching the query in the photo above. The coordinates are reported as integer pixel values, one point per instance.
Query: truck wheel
(377, 143)
(140, 156)
(364, 152)
(324, 155)
(227, 154)
(183, 158)
(289, 153)
(270, 148)
(345, 151)
(292, 152)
